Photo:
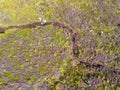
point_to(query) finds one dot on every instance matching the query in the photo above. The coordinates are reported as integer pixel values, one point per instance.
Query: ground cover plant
(59, 45)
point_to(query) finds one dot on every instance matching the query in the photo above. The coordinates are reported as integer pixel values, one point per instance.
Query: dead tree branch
(100, 66)
(73, 40)
(69, 29)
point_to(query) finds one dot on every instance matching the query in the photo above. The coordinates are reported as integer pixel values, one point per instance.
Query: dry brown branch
(69, 29)
(100, 66)
(73, 40)
(35, 24)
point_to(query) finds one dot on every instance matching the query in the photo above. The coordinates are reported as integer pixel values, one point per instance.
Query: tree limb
(99, 66)
(35, 24)
(73, 40)
(69, 29)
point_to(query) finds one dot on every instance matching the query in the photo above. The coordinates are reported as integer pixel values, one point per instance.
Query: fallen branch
(73, 40)
(100, 66)
(69, 29)
(35, 24)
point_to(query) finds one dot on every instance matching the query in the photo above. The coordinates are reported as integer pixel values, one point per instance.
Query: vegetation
(59, 45)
